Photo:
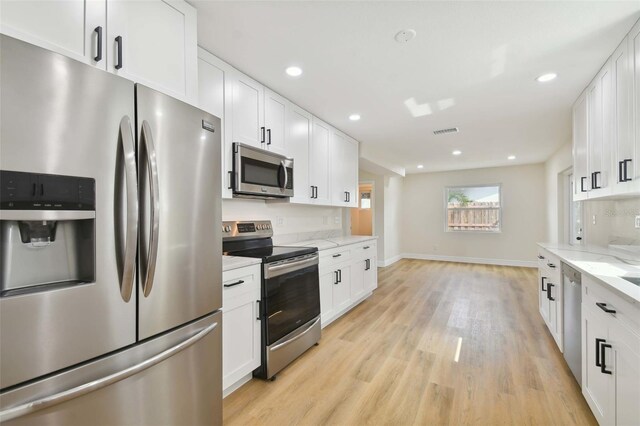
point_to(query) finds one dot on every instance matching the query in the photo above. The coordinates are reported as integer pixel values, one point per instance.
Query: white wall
(558, 163)
(291, 222)
(523, 216)
(393, 193)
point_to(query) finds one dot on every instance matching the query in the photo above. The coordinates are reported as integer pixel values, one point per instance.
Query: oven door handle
(277, 270)
(293, 339)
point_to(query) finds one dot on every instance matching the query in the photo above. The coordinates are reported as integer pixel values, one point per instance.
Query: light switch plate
(638, 221)
(593, 220)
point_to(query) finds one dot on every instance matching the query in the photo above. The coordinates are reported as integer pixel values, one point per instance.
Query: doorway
(362, 216)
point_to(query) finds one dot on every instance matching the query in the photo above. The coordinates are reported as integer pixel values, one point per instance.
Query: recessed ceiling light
(354, 117)
(294, 71)
(420, 166)
(547, 77)
(511, 157)
(404, 36)
(457, 152)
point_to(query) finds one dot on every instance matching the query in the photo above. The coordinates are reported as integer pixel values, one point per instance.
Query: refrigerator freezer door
(180, 241)
(175, 379)
(62, 117)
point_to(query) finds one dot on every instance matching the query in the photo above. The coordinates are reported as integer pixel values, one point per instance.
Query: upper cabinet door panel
(299, 124)
(351, 171)
(158, 45)
(247, 111)
(634, 56)
(580, 148)
(319, 162)
(65, 27)
(275, 107)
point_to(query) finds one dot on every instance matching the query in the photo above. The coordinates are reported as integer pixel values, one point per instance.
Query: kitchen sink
(633, 280)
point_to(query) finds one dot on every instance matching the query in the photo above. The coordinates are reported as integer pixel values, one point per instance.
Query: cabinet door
(327, 281)
(240, 325)
(623, 129)
(275, 113)
(600, 105)
(634, 56)
(597, 387)
(581, 148)
(66, 27)
(213, 81)
(351, 171)
(319, 162)
(357, 279)
(248, 112)
(158, 45)
(544, 302)
(342, 289)
(299, 124)
(337, 167)
(555, 311)
(626, 369)
(371, 275)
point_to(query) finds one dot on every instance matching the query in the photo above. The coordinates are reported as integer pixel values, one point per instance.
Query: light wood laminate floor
(436, 343)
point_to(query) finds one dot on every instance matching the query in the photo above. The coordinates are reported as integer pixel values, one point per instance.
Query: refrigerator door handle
(131, 236)
(152, 168)
(46, 402)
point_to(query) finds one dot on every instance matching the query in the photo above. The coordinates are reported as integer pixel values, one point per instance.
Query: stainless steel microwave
(261, 174)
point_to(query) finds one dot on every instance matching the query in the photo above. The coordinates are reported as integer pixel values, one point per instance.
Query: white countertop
(235, 262)
(604, 264)
(334, 242)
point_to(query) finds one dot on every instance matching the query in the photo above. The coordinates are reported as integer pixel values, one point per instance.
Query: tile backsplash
(291, 222)
(614, 222)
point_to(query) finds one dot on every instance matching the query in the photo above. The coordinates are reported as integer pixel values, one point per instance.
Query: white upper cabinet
(155, 43)
(633, 166)
(580, 148)
(72, 28)
(600, 103)
(319, 159)
(248, 111)
(606, 127)
(275, 117)
(344, 170)
(213, 83)
(299, 123)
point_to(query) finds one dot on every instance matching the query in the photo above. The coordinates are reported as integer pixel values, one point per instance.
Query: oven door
(261, 173)
(291, 295)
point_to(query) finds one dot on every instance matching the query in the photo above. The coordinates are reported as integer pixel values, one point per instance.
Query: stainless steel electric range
(290, 304)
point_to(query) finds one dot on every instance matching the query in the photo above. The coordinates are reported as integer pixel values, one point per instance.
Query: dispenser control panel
(35, 191)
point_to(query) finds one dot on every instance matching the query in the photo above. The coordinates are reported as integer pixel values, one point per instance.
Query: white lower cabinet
(241, 325)
(347, 275)
(550, 294)
(610, 355)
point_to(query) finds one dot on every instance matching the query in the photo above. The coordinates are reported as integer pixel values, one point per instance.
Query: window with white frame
(473, 208)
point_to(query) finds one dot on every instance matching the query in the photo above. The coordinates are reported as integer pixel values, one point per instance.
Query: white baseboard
(480, 260)
(388, 262)
(237, 385)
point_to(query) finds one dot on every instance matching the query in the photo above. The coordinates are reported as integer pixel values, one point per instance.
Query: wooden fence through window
(475, 216)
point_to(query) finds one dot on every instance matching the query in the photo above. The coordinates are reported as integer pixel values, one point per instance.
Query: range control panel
(246, 229)
(36, 191)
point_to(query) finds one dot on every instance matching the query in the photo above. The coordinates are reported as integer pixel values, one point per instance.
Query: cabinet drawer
(626, 311)
(240, 283)
(330, 258)
(365, 250)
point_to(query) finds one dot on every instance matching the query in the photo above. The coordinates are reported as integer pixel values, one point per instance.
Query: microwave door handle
(152, 169)
(286, 177)
(131, 233)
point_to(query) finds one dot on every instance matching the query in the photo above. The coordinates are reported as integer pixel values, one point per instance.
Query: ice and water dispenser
(47, 232)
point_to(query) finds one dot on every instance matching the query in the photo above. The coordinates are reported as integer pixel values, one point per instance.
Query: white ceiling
(473, 64)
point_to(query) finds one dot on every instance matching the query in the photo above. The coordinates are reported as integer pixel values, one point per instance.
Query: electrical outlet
(279, 220)
(593, 220)
(638, 221)
(336, 220)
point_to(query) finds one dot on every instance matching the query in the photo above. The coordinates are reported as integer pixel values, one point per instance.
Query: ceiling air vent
(445, 131)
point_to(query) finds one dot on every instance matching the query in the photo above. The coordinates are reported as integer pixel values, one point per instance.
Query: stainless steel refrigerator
(111, 248)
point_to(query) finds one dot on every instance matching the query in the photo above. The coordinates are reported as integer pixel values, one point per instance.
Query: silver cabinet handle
(131, 233)
(276, 347)
(46, 402)
(152, 168)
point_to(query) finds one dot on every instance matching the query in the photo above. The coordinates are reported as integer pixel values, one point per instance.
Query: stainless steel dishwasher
(572, 283)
